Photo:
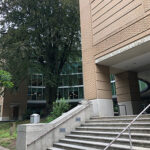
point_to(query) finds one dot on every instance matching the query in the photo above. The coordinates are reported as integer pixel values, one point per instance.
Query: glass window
(113, 87)
(66, 93)
(39, 94)
(70, 80)
(76, 92)
(79, 67)
(75, 79)
(34, 94)
(34, 80)
(80, 92)
(61, 93)
(71, 93)
(112, 77)
(66, 80)
(142, 85)
(80, 79)
(39, 80)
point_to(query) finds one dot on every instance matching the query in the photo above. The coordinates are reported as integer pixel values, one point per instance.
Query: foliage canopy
(38, 36)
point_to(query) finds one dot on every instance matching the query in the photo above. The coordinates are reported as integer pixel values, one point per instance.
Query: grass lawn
(8, 134)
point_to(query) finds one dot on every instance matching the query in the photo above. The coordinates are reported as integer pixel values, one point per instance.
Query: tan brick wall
(146, 5)
(127, 87)
(107, 25)
(89, 75)
(12, 98)
(103, 82)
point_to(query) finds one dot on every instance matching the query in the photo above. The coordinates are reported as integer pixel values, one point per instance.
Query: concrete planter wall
(42, 136)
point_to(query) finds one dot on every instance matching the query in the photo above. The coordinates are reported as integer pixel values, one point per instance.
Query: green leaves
(38, 35)
(59, 108)
(5, 81)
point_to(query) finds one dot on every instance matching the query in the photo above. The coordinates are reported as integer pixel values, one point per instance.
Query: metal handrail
(127, 127)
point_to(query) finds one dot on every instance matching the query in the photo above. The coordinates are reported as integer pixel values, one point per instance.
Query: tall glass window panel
(80, 79)
(34, 94)
(40, 80)
(66, 93)
(39, 94)
(76, 93)
(80, 92)
(34, 80)
(71, 93)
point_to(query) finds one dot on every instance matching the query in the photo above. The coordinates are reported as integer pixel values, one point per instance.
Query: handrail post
(130, 138)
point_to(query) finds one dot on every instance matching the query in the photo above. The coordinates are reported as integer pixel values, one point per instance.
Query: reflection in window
(71, 93)
(71, 82)
(75, 93)
(36, 89)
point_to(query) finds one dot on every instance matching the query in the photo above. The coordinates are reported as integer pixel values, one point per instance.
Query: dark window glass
(79, 67)
(66, 93)
(80, 92)
(34, 80)
(71, 93)
(39, 94)
(70, 80)
(76, 93)
(80, 79)
(39, 80)
(66, 80)
(61, 95)
(113, 87)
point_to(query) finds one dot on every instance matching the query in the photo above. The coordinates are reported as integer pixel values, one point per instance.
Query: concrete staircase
(97, 133)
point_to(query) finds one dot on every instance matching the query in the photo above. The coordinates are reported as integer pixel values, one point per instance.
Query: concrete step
(114, 129)
(72, 147)
(97, 133)
(99, 145)
(136, 136)
(124, 120)
(121, 117)
(123, 141)
(54, 148)
(141, 124)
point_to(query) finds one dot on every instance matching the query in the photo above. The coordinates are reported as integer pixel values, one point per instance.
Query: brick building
(115, 39)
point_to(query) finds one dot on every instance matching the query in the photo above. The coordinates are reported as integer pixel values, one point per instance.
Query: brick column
(128, 93)
(103, 105)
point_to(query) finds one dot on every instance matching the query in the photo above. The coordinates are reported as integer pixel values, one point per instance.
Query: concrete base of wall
(125, 108)
(4, 118)
(102, 107)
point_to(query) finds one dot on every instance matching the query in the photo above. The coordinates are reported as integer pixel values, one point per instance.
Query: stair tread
(108, 138)
(104, 144)
(119, 119)
(54, 148)
(97, 133)
(112, 128)
(113, 133)
(75, 146)
(125, 116)
(118, 123)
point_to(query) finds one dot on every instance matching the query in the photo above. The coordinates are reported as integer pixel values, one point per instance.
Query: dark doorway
(15, 112)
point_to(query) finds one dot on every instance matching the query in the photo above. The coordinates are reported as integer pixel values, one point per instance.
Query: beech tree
(38, 36)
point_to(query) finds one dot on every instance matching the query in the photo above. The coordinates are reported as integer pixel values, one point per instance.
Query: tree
(5, 81)
(39, 36)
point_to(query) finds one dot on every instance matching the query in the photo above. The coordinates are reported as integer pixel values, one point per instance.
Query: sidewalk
(2, 148)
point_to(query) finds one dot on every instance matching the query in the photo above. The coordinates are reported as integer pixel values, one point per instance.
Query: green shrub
(60, 107)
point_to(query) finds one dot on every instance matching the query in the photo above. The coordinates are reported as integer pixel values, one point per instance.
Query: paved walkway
(2, 148)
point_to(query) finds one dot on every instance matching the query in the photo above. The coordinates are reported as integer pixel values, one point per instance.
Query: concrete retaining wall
(42, 136)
